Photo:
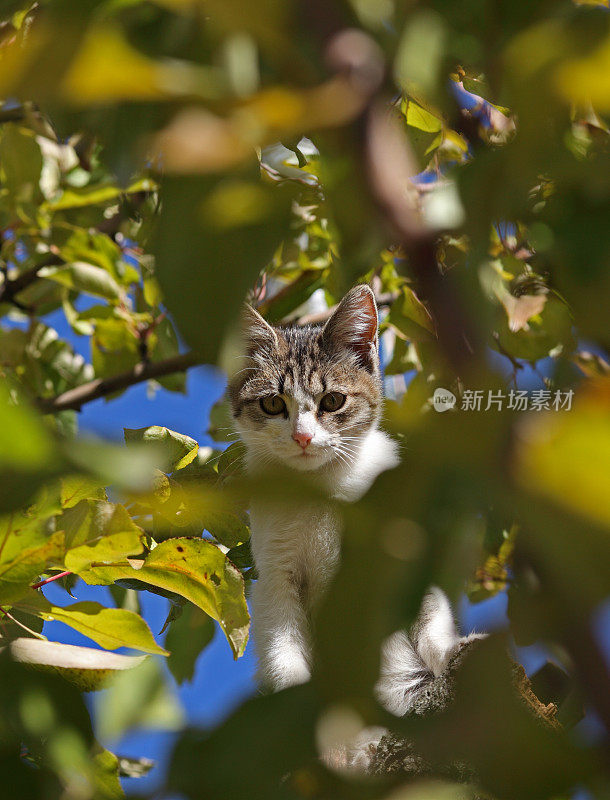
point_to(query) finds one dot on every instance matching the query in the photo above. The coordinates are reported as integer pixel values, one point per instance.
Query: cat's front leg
(280, 631)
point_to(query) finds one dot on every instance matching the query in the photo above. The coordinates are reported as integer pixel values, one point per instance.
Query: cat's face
(307, 396)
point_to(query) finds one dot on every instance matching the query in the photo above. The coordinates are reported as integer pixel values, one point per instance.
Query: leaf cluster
(160, 160)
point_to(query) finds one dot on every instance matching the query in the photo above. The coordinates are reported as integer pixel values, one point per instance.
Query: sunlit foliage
(159, 162)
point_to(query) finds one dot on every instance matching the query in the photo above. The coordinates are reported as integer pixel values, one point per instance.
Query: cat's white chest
(300, 542)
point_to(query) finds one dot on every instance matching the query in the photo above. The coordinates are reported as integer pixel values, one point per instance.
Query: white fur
(296, 551)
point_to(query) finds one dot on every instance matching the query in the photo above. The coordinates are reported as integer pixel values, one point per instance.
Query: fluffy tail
(411, 661)
(409, 664)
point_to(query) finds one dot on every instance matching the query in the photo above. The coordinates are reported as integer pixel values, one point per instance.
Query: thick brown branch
(102, 387)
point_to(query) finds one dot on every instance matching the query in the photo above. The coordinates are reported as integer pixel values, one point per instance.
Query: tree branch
(12, 286)
(102, 387)
(396, 755)
(391, 165)
(14, 114)
(383, 299)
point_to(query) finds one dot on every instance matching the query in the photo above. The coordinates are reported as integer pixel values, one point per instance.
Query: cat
(309, 399)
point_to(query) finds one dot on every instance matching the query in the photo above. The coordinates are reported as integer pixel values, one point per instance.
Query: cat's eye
(273, 405)
(332, 401)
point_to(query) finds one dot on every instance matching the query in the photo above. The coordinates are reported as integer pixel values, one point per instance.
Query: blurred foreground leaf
(138, 698)
(209, 228)
(87, 669)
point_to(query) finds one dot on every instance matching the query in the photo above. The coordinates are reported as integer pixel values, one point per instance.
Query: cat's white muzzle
(312, 457)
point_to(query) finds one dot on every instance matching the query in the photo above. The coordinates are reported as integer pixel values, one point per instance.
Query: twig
(383, 299)
(21, 625)
(51, 579)
(101, 387)
(12, 114)
(12, 286)
(264, 305)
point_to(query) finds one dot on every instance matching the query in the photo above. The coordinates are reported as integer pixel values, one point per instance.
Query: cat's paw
(290, 672)
(357, 754)
(361, 751)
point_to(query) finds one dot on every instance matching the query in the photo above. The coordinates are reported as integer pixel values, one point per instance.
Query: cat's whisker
(342, 458)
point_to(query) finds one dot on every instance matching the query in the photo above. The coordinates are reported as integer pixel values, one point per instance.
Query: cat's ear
(354, 324)
(256, 331)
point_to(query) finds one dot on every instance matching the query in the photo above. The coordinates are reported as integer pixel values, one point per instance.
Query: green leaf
(551, 329)
(165, 346)
(235, 223)
(98, 194)
(565, 456)
(152, 292)
(188, 635)
(418, 117)
(20, 163)
(243, 559)
(84, 277)
(404, 358)
(75, 488)
(205, 767)
(178, 450)
(106, 776)
(17, 574)
(47, 715)
(221, 421)
(26, 452)
(28, 528)
(226, 528)
(109, 627)
(196, 570)
(107, 548)
(130, 470)
(19, 626)
(411, 317)
(231, 462)
(94, 248)
(97, 532)
(114, 348)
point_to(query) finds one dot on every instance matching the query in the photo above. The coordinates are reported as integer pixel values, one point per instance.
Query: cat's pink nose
(303, 439)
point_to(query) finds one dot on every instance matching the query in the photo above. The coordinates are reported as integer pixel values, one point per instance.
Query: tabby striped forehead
(300, 363)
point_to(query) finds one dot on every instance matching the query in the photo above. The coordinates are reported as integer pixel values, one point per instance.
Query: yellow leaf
(418, 117)
(196, 570)
(107, 69)
(19, 573)
(587, 80)
(109, 627)
(565, 455)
